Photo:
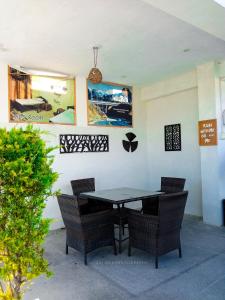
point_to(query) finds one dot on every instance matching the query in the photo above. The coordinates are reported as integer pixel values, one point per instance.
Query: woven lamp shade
(95, 75)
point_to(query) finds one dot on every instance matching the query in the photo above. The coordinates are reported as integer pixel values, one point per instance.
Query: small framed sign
(207, 132)
(172, 137)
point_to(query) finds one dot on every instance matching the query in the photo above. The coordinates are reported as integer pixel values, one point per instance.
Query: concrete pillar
(210, 160)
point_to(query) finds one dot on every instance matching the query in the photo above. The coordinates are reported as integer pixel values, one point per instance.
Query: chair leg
(85, 258)
(156, 262)
(180, 252)
(129, 248)
(120, 237)
(114, 247)
(123, 228)
(67, 249)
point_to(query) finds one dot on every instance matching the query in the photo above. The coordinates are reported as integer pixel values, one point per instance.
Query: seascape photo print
(109, 104)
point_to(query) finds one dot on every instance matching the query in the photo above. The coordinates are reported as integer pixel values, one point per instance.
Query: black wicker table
(120, 196)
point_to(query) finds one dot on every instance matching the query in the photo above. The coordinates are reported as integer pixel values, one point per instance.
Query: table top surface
(120, 195)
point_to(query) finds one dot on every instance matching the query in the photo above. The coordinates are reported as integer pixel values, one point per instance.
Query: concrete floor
(200, 274)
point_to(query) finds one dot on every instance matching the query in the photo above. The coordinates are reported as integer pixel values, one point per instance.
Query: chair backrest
(172, 184)
(83, 185)
(171, 211)
(69, 209)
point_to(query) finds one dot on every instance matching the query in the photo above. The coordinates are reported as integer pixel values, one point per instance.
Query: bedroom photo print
(41, 99)
(109, 104)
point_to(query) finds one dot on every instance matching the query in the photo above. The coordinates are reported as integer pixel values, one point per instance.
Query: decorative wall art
(172, 137)
(207, 132)
(130, 145)
(41, 99)
(109, 104)
(72, 143)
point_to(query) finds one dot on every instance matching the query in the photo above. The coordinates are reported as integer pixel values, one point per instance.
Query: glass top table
(120, 195)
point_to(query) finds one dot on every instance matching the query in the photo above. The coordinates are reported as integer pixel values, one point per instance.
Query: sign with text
(207, 132)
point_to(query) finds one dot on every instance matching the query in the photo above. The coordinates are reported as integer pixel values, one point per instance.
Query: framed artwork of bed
(109, 104)
(41, 99)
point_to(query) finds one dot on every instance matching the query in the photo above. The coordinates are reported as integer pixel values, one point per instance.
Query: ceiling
(142, 41)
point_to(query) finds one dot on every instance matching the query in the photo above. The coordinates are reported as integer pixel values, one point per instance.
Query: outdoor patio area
(112, 150)
(200, 274)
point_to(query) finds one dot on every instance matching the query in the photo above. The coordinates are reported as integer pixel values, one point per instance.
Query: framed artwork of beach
(41, 99)
(109, 104)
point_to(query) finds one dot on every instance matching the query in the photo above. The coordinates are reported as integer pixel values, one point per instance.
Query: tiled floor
(200, 274)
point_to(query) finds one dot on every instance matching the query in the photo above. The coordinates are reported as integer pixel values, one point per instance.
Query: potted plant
(26, 179)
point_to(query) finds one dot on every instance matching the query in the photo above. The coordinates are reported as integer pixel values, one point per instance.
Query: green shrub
(26, 179)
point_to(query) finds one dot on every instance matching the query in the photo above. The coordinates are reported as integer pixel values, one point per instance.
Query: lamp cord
(95, 52)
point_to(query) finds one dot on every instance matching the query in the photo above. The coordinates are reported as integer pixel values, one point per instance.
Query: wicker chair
(88, 185)
(86, 232)
(158, 234)
(172, 184)
(168, 185)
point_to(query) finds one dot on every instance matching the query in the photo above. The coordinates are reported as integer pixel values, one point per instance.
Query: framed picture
(41, 99)
(109, 104)
(172, 137)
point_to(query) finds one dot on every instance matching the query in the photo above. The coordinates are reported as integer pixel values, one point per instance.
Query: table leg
(120, 237)
(120, 230)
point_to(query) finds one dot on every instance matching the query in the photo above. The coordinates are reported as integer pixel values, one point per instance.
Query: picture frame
(109, 104)
(41, 99)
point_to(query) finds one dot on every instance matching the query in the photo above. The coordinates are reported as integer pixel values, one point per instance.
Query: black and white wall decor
(130, 145)
(72, 143)
(172, 137)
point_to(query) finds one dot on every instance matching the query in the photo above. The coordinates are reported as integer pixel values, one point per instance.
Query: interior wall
(180, 107)
(115, 168)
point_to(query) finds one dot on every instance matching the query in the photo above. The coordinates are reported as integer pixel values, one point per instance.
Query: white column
(210, 161)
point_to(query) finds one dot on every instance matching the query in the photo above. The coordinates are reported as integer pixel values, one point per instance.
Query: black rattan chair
(88, 185)
(172, 184)
(86, 232)
(158, 234)
(168, 185)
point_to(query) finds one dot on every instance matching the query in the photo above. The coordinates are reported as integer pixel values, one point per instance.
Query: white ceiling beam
(206, 15)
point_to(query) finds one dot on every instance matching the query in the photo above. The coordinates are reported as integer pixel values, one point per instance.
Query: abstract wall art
(130, 145)
(73, 143)
(172, 135)
(109, 104)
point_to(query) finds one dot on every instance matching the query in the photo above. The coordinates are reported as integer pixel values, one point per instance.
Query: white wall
(183, 99)
(186, 99)
(169, 86)
(180, 107)
(113, 169)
